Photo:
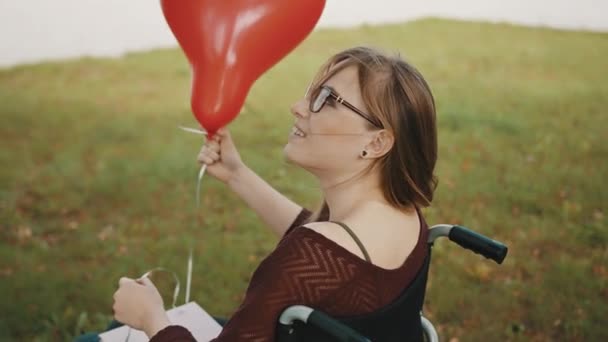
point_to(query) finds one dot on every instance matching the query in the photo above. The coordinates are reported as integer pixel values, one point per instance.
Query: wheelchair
(401, 320)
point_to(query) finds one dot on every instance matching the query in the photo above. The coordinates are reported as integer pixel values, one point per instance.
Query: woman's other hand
(221, 156)
(138, 304)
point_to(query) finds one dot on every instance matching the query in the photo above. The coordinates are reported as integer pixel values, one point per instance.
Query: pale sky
(34, 30)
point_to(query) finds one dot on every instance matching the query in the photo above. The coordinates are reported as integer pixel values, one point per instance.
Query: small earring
(364, 153)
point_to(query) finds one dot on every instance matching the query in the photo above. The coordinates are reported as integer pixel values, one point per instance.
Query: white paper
(191, 316)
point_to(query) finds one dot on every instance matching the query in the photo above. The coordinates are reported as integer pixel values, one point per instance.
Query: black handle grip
(478, 243)
(335, 328)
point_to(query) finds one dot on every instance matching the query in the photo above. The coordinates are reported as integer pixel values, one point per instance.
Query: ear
(381, 143)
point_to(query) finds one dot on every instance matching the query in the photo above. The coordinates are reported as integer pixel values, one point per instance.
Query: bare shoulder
(388, 235)
(328, 229)
(337, 234)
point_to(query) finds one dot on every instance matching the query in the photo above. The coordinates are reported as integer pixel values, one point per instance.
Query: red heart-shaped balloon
(230, 43)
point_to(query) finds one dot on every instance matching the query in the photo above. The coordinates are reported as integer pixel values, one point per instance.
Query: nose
(300, 108)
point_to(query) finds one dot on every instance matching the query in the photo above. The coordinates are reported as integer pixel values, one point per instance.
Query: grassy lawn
(97, 182)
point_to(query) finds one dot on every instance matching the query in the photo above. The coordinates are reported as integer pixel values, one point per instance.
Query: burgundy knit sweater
(309, 269)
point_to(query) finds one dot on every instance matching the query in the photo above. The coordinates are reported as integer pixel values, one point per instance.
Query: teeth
(297, 132)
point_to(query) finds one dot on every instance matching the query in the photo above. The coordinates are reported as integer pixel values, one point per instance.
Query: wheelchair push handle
(478, 243)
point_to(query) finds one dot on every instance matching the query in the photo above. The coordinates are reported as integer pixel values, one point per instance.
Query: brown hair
(398, 99)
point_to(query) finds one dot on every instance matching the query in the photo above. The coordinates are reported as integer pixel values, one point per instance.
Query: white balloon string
(176, 290)
(201, 173)
(189, 277)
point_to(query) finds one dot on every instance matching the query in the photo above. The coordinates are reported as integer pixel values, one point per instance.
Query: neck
(346, 193)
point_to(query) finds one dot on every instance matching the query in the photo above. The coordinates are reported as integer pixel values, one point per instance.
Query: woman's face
(333, 138)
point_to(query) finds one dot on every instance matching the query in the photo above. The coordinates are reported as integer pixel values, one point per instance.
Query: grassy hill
(97, 182)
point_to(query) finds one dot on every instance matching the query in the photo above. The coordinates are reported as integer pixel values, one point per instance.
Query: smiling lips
(298, 132)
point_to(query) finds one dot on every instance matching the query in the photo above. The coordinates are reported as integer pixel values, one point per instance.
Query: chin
(288, 153)
(294, 155)
(306, 158)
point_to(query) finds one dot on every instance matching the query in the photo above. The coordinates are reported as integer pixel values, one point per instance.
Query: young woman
(366, 129)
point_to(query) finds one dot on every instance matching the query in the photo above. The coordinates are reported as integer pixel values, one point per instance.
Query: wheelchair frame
(463, 236)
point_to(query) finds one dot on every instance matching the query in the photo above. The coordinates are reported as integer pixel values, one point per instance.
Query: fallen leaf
(105, 232)
(122, 250)
(481, 271)
(24, 233)
(600, 270)
(598, 215)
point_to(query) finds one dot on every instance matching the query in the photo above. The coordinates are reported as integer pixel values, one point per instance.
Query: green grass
(97, 182)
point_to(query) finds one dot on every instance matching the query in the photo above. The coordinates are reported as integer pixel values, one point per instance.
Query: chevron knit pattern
(307, 268)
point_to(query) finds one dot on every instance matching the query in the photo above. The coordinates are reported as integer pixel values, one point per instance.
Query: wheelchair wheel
(430, 334)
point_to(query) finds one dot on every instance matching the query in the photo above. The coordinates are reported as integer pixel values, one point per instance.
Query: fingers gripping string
(175, 290)
(175, 277)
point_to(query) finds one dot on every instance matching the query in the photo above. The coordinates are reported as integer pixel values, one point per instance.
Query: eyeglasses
(320, 95)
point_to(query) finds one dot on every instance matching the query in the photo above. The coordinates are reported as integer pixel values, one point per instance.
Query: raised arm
(224, 163)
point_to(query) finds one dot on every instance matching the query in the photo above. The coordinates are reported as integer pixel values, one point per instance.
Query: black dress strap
(352, 234)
